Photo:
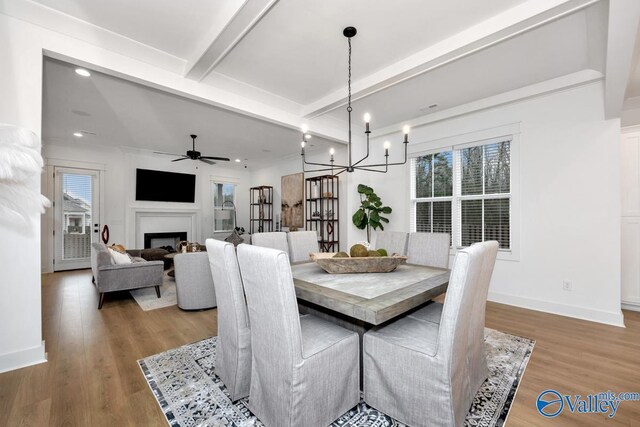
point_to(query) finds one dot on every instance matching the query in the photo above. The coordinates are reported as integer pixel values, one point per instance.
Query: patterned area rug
(148, 300)
(190, 394)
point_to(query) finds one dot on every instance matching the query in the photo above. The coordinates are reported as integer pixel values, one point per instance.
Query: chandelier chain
(349, 81)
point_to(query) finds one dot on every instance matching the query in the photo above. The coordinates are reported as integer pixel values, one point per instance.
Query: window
(434, 192)
(223, 218)
(465, 191)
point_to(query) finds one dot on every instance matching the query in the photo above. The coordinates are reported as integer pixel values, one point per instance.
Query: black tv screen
(160, 186)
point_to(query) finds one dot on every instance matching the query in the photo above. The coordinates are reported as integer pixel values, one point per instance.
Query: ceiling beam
(508, 24)
(624, 16)
(245, 18)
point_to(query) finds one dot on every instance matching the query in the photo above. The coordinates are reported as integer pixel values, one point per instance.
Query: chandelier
(337, 169)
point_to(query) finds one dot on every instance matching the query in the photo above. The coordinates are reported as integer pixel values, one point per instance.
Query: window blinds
(464, 192)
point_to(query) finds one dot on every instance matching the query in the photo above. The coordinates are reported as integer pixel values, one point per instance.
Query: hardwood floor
(92, 378)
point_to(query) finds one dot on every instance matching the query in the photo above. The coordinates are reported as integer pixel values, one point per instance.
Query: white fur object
(20, 161)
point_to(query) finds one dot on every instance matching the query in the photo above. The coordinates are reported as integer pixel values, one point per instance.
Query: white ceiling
(126, 114)
(289, 58)
(174, 27)
(298, 50)
(551, 51)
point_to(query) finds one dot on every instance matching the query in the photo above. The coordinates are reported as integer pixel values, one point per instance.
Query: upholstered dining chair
(416, 371)
(432, 312)
(301, 244)
(429, 249)
(395, 242)
(233, 355)
(273, 240)
(194, 283)
(305, 371)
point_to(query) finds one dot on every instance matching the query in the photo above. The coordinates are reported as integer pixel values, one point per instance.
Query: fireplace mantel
(150, 220)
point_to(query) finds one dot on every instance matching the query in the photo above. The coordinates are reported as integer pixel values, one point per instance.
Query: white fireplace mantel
(151, 220)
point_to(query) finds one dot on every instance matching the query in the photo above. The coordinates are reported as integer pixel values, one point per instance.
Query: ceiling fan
(195, 155)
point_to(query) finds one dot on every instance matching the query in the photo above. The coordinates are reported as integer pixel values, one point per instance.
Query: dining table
(366, 299)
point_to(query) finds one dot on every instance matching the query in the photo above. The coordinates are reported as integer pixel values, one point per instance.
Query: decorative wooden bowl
(383, 264)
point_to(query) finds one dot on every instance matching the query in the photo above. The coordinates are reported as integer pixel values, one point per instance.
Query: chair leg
(158, 291)
(101, 300)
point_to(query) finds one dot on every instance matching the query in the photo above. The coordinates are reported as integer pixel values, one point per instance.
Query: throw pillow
(118, 248)
(234, 238)
(120, 258)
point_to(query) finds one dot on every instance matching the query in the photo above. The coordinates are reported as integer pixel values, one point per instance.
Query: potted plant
(369, 215)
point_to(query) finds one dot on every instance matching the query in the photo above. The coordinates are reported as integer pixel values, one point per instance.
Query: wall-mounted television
(161, 186)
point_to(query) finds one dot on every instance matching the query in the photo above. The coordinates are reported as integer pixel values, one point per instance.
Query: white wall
(119, 204)
(630, 250)
(20, 300)
(569, 201)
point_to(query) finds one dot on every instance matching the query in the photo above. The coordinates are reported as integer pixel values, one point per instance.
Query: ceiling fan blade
(223, 159)
(177, 160)
(209, 162)
(168, 154)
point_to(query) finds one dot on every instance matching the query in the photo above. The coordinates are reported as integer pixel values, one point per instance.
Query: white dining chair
(416, 371)
(395, 242)
(301, 244)
(479, 371)
(429, 249)
(305, 370)
(273, 240)
(233, 351)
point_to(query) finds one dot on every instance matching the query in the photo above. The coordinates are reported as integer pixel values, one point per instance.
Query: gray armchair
(109, 277)
(233, 355)
(418, 372)
(304, 370)
(194, 284)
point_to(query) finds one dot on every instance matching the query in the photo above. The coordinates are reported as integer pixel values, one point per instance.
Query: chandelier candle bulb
(304, 128)
(367, 119)
(405, 129)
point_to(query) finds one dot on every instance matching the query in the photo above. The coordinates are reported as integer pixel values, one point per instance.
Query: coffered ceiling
(290, 56)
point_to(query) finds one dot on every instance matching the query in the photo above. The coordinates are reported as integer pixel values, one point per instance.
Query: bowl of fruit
(358, 260)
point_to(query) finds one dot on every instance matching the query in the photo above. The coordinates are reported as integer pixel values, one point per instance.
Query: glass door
(77, 222)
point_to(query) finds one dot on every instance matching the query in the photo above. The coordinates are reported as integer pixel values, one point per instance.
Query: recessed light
(78, 134)
(237, 160)
(82, 72)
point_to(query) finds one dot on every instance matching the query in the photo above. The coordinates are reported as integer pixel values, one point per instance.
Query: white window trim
(217, 209)
(458, 142)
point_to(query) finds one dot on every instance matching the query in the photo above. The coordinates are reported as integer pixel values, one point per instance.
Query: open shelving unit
(322, 205)
(261, 209)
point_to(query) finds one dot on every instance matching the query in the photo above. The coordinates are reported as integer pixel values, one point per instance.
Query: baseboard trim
(23, 358)
(598, 316)
(633, 306)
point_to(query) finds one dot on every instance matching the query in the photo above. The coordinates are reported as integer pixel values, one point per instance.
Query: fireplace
(154, 240)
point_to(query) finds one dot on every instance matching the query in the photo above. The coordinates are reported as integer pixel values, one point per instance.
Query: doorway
(76, 218)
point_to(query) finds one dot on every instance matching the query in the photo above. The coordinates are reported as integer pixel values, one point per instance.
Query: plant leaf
(360, 219)
(383, 219)
(386, 210)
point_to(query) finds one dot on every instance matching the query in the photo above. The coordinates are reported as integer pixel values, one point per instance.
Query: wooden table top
(371, 297)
